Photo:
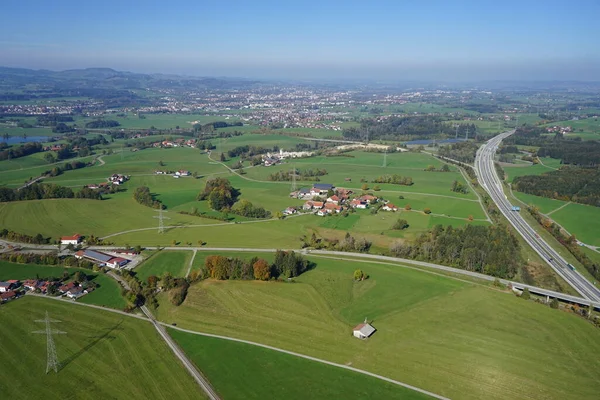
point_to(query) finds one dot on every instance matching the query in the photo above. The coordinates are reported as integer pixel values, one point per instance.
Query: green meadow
(102, 355)
(457, 339)
(175, 262)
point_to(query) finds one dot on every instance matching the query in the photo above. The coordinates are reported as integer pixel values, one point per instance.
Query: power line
(51, 357)
(161, 218)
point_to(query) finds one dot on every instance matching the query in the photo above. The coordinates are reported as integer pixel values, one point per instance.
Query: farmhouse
(289, 211)
(368, 199)
(8, 286)
(76, 292)
(102, 258)
(331, 207)
(356, 203)
(31, 284)
(321, 188)
(310, 205)
(6, 296)
(334, 199)
(182, 172)
(389, 207)
(363, 331)
(65, 288)
(74, 240)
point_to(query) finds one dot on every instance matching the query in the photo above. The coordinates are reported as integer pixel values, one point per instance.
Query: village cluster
(174, 174)
(15, 288)
(114, 179)
(324, 199)
(270, 159)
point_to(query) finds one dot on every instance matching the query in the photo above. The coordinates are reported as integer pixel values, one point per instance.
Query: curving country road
(486, 173)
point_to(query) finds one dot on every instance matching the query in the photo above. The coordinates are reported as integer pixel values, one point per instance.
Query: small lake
(20, 139)
(428, 141)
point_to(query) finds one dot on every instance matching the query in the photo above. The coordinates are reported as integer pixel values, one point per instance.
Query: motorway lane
(484, 166)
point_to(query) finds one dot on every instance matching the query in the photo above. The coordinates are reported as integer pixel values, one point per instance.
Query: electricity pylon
(51, 359)
(161, 218)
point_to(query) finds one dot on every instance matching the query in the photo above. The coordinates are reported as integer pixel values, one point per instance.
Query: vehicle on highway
(571, 267)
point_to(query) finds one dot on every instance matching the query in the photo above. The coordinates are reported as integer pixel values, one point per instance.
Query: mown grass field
(108, 293)
(450, 337)
(103, 355)
(266, 374)
(175, 262)
(579, 219)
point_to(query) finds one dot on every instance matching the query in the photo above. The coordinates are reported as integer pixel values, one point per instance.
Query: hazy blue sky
(417, 39)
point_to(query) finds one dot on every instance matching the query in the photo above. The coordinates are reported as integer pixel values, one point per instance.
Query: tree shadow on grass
(97, 339)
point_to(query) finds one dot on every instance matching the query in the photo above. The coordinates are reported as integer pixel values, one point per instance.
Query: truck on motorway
(571, 267)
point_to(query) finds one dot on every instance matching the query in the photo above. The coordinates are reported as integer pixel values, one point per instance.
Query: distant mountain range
(29, 80)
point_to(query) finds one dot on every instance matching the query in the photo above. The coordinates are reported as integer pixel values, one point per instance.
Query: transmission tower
(52, 359)
(294, 178)
(161, 218)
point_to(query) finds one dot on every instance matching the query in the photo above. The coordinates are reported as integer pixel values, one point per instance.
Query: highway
(488, 178)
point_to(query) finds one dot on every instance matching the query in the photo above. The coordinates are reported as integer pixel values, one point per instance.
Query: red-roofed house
(6, 296)
(75, 239)
(334, 199)
(389, 207)
(363, 331)
(356, 203)
(65, 288)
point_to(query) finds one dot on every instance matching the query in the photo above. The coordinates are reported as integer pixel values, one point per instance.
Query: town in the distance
(316, 201)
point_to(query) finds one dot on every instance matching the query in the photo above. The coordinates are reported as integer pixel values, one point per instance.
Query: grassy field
(266, 374)
(519, 170)
(102, 355)
(108, 293)
(175, 262)
(581, 220)
(453, 338)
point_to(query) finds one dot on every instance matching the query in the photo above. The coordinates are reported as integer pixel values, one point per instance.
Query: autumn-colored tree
(427, 210)
(262, 270)
(217, 266)
(470, 218)
(364, 186)
(152, 281)
(407, 207)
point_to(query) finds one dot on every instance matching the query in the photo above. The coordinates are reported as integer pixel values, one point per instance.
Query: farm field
(162, 121)
(266, 374)
(519, 170)
(579, 219)
(103, 355)
(108, 293)
(431, 330)
(175, 262)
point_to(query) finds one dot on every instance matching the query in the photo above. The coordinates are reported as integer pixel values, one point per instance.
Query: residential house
(76, 292)
(334, 199)
(65, 288)
(182, 172)
(331, 207)
(6, 287)
(319, 189)
(31, 284)
(290, 211)
(356, 203)
(368, 199)
(117, 262)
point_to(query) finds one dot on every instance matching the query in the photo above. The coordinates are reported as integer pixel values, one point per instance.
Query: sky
(380, 40)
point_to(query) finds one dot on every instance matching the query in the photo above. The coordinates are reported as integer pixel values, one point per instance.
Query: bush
(427, 210)
(554, 303)
(400, 224)
(359, 275)
(526, 295)
(177, 295)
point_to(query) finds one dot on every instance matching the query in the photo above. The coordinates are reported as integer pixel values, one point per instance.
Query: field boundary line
(559, 208)
(360, 371)
(191, 263)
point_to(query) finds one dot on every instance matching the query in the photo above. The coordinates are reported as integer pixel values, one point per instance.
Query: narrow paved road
(198, 377)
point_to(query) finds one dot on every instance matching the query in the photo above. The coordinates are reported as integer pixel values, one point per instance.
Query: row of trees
(22, 238)
(245, 208)
(303, 175)
(21, 151)
(394, 179)
(143, 196)
(443, 168)
(492, 250)
(405, 128)
(38, 191)
(102, 123)
(46, 259)
(287, 264)
(570, 242)
(462, 151)
(348, 243)
(580, 185)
